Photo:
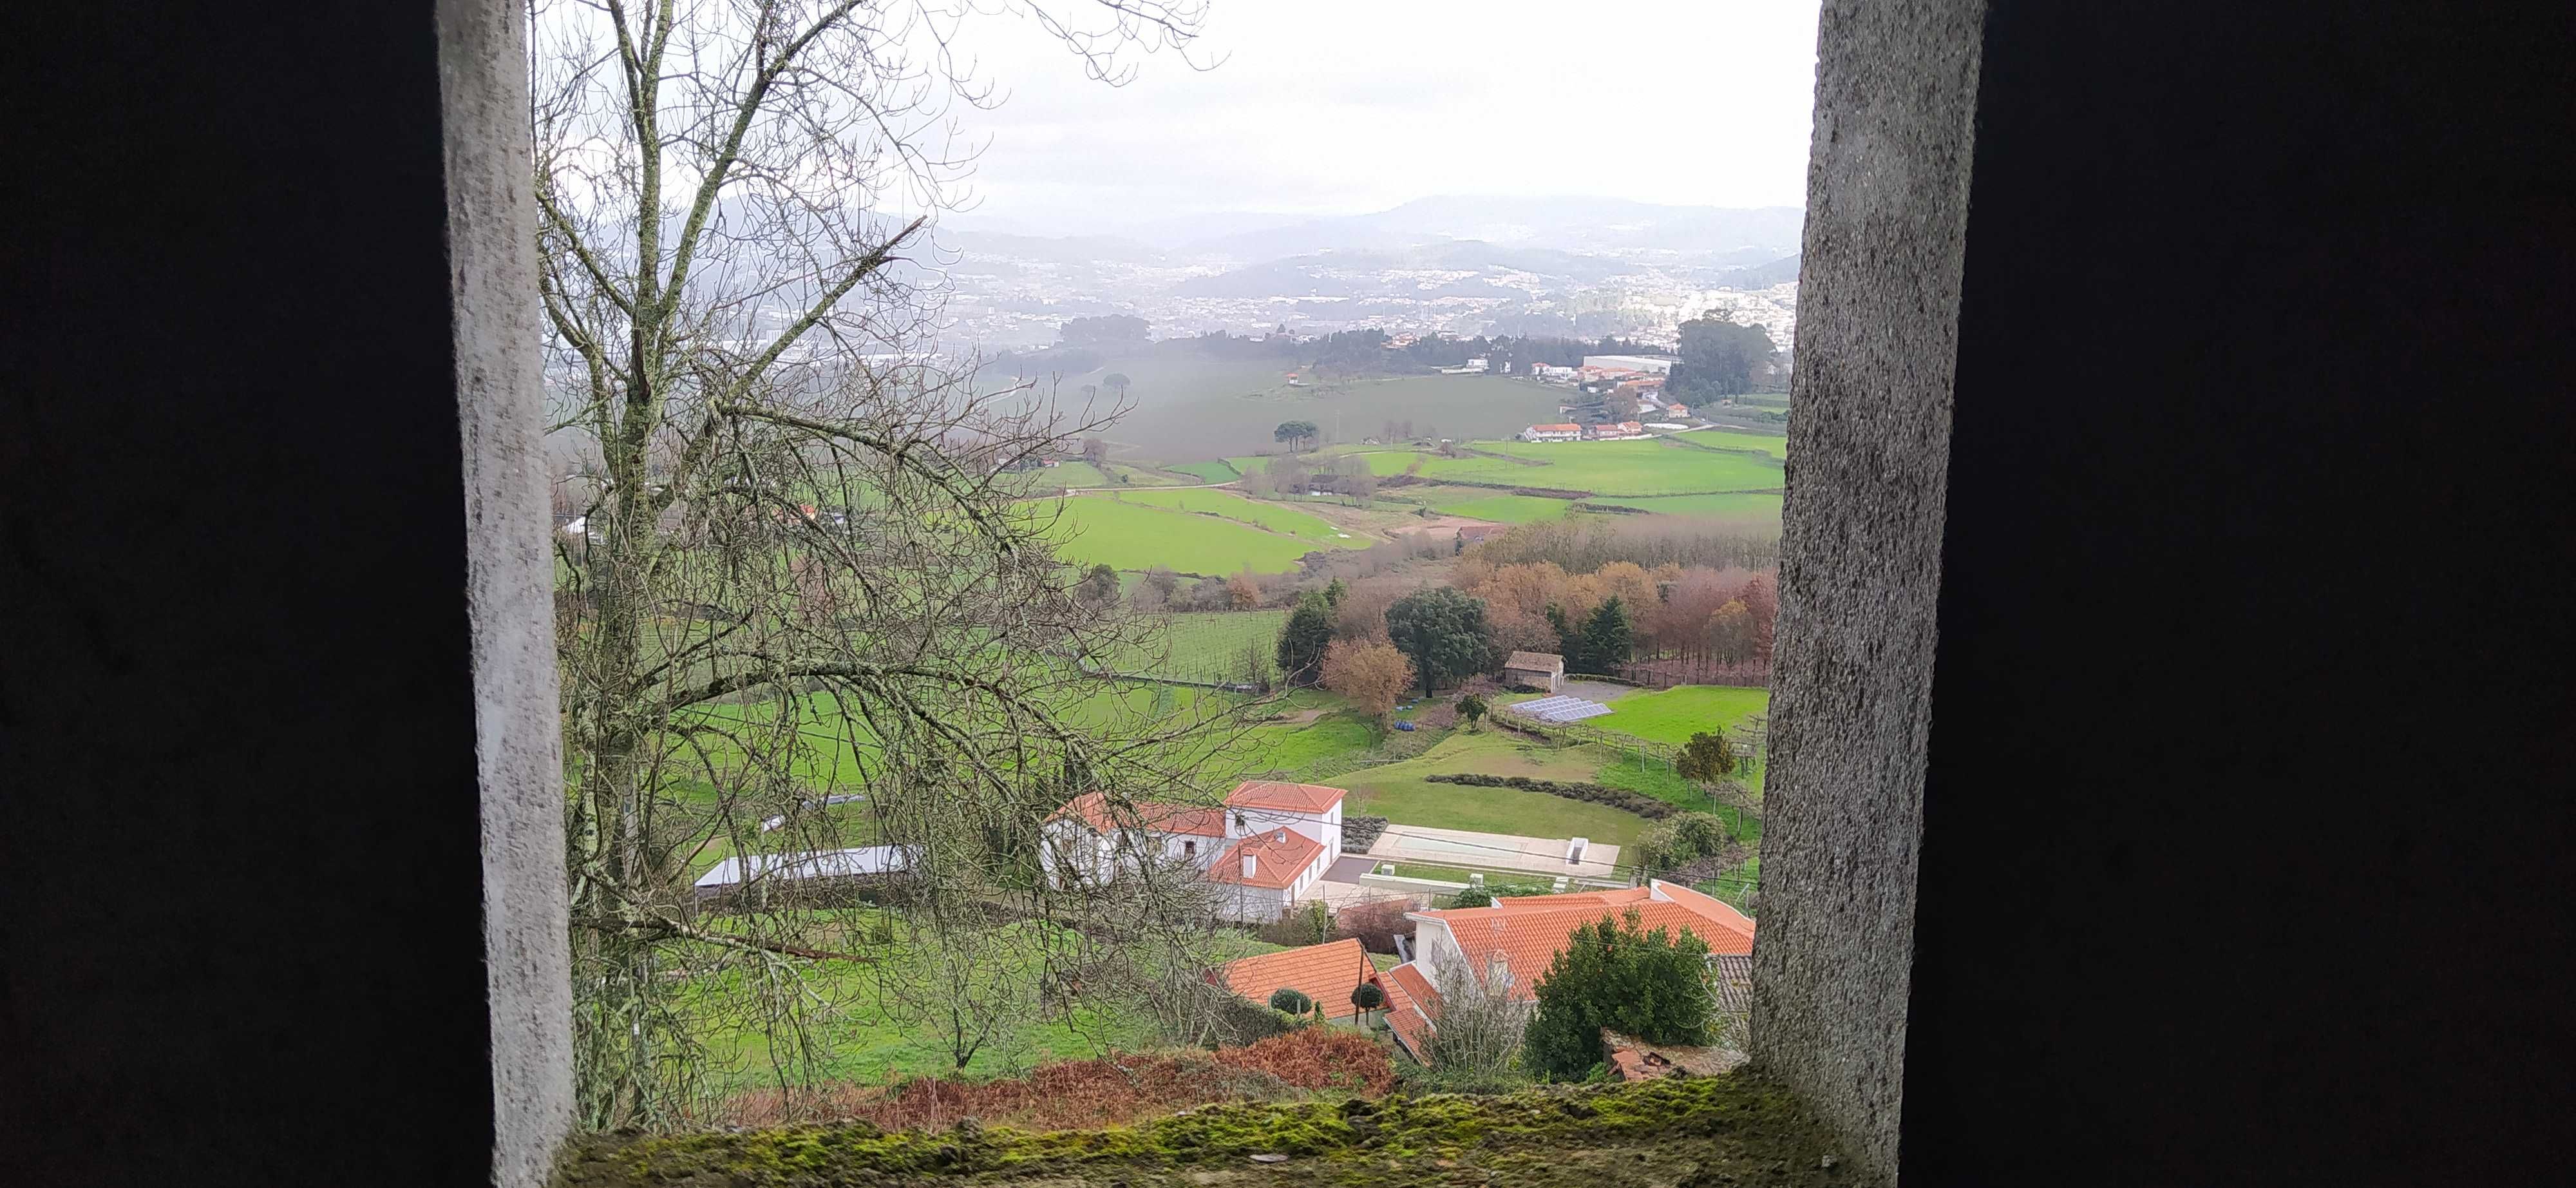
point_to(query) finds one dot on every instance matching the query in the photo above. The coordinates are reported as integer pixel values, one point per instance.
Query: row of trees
(1372, 651)
(1622, 611)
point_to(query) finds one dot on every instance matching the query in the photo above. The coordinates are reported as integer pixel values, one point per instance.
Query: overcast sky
(1345, 106)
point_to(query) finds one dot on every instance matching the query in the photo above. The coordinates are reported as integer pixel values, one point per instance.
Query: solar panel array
(1559, 709)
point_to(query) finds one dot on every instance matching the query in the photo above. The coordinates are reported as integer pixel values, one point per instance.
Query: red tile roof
(1528, 932)
(1094, 810)
(1566, 428)
(1295, 798)
(1409, 1003)
(1279, 857)
(1325, 973)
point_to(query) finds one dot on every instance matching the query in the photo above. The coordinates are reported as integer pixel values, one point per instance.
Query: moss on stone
(1737, 1129)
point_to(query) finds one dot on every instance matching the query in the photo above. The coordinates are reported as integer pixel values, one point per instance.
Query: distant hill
(1606, 225)
(1419, 272)
(1763, 276)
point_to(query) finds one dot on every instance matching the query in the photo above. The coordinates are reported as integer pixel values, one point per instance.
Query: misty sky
(1345, 106)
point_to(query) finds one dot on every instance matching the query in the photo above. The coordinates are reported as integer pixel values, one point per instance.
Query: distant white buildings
(1651, 364)
(1564, 432)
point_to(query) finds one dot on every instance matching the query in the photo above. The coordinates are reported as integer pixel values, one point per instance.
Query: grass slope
(1228, 505)
(1398, 792)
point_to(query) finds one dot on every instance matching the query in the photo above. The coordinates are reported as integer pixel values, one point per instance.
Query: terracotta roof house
(1538, 670)
(1519, 936)
(1326, 973)
(1267, 846)
(1561, 432)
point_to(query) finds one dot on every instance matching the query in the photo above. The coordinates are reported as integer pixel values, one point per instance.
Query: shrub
(1359, 833)
(1619, 798)
(1472, 897)
(1375, 924)
(1707, 758)
(1291, 1001)
(1366, 996)
(1318, 1058)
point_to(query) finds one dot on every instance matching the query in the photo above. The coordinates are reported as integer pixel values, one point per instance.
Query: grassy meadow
(1673, 715)
(1638, 467)
(1128, 534)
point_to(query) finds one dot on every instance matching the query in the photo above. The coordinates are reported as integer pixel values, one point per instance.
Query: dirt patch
(1300, 718)
(1441, 524)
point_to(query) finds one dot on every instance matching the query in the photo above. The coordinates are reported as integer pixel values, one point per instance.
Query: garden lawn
(1673, 715)
(1398, 792)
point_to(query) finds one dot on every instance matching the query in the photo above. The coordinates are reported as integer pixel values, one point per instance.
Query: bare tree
(1477, 1028)
(805, 567)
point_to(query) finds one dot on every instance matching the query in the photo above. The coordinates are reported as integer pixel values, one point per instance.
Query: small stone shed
(1539, 670)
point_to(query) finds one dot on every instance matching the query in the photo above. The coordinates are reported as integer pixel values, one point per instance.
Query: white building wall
(1436, 952)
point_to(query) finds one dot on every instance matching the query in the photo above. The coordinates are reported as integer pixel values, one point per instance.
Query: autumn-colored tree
(1096, 452)
(1762, 603)
(1730, 632)
(1371, 675)
(1242, 593)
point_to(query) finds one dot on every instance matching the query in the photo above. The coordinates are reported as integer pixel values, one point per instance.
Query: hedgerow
(1619, 798)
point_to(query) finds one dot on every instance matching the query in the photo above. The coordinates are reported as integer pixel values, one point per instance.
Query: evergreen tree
(1614, 974)
(1334, 593)
(1443, 632)
(1302, 640)
(1608, 638)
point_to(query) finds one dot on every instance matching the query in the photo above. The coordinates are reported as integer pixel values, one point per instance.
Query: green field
(1728, 439)
(1206, 646)
(1502, 509)
(1118, 533)
(1675, 714)
(1756, 504)
(1644, 467)
(1189, 408)
(1208, 472)
(1228, 505)
(859, 1038)
(1398, 792)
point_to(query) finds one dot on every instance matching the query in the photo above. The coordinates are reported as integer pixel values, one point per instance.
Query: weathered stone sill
(1698, 1131)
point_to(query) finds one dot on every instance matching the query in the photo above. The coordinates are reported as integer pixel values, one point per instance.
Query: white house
(1656, 364)
(1266, 848)
(1564, 432)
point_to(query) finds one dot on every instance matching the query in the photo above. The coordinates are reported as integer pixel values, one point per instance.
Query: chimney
(1282, 839)
(1251, 866)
